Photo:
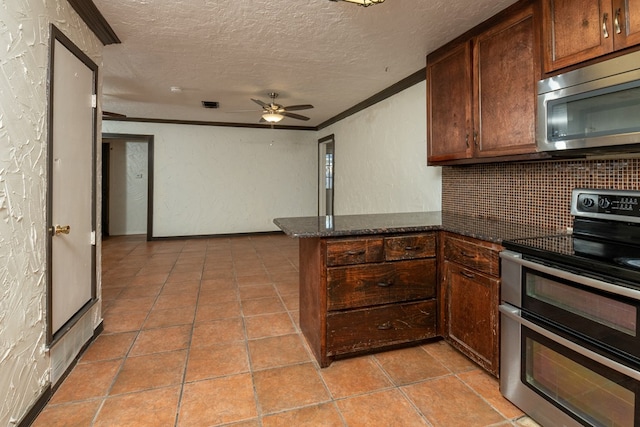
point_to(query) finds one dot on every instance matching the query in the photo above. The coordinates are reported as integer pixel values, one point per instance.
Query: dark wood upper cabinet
(627, 30)
(580, 30)
(481, 90)
(449, 104)
(507, 69)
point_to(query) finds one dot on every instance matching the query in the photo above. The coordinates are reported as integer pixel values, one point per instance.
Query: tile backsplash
(537, 194)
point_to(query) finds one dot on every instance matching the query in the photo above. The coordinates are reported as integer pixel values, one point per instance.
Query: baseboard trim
(37, 407)
(215, 236)
(48, 392)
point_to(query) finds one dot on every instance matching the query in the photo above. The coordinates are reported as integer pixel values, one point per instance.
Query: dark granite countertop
(490, 230)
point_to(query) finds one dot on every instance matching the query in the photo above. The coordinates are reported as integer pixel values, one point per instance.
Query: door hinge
(93, 238)
(94, 100)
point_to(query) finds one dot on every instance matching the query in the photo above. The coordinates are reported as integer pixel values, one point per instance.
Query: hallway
(203, 332)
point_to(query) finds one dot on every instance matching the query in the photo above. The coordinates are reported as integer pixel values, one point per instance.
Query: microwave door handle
(605, 32)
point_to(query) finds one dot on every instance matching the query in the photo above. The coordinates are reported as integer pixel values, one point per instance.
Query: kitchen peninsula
(371, 282)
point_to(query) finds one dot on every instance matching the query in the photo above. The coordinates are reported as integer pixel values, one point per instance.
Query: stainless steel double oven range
(570, 326)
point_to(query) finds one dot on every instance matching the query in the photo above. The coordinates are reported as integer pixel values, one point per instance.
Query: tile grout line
(256, 401)
(126, 355)
(188, 350)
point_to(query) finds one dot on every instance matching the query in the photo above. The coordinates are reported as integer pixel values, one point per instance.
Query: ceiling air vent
(210, 104)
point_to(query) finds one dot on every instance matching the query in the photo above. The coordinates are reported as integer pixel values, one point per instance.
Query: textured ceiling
(329, 54)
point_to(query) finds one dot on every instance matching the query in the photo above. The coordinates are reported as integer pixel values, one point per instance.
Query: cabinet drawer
(369, 328)
(354, 251)
(471, 255)
(376, 284)
(410, 247)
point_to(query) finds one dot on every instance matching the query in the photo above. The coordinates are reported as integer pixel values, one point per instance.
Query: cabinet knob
(385, 326)
(605, 32)
(384, 285)
(468, 275)
(355, 253)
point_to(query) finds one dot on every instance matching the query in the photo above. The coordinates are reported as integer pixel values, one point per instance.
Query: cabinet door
(626, 23)
(575, 31)
(449, 104)
(507, 70)
(472, 314)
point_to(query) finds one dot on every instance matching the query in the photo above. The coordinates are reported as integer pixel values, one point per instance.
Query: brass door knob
(60, 229)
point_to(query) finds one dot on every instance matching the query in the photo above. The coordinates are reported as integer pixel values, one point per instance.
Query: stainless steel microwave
(594, 107)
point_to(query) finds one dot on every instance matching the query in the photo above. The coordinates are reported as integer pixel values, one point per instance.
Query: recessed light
(176, 89)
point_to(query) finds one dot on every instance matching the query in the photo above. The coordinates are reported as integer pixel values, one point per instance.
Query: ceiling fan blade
(298, 107)
(260, 103)
(294, 116)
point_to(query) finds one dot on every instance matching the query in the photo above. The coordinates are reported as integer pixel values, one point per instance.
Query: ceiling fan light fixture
(364, 3)
(272, 117)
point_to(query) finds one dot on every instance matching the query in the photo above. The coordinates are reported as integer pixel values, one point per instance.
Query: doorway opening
(326, 171)
(127, 184)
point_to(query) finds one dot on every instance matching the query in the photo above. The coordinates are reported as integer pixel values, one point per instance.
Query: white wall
(217, 180)
(25, 365)
(128, 185)
(381, 160)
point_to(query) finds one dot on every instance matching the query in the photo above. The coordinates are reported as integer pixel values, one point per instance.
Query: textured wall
(24, 50)
(128, 180)
(380, 160)
(218, 180)
(531, 193)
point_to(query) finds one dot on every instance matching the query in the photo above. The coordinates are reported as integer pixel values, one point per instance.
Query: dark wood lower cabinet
(369, 293)
(472, 314)
(361, 294)
(470, 295)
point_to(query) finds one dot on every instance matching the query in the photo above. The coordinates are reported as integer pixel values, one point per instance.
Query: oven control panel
(619, 205)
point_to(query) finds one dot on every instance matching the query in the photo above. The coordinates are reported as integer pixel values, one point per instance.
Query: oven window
(591, 393)
(614, 314)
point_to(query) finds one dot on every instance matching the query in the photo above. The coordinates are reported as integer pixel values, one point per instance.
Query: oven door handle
(515, 314)
(562, 274)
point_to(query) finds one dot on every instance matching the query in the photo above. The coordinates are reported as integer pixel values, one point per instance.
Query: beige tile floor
(204, 332)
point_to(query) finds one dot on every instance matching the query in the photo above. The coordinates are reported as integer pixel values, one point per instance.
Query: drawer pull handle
(468, 275)
(355, 253)
(385, 326)
(412, 248)
(467, 254)
(384, 285)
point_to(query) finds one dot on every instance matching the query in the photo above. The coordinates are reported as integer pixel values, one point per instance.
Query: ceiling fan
(273, 113)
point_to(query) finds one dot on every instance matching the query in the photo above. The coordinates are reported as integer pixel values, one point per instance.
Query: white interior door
(72, 261)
